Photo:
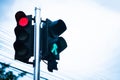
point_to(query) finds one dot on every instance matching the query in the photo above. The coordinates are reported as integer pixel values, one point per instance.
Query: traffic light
(52, 43)
(24, 32)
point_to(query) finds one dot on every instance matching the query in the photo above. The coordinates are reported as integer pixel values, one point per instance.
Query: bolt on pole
(37, 52)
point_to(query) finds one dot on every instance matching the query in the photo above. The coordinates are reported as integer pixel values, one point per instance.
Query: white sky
(92, 35)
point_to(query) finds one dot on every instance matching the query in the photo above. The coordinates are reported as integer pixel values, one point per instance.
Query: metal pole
(37, 51)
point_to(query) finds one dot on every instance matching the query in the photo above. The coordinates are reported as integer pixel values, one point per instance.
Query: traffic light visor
(61, 43)
(21, 19)
(58, 27)
(20, 48)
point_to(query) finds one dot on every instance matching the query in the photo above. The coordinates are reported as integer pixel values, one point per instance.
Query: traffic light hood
(56, 27)
(21, 19)
(19, 15)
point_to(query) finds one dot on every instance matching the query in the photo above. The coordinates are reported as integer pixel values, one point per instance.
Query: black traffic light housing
(52, 43)
(24, 32)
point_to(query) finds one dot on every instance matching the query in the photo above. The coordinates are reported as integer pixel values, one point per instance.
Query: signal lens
(23, 21)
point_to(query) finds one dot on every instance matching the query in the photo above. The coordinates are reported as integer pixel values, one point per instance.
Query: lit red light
(23, 21)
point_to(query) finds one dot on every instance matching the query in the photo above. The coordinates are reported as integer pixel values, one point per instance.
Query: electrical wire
(32, 73)
(45, 62)
(5, 47)
(20, 69)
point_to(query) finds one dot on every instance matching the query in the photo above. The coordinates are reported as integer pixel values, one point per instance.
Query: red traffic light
(21, 19)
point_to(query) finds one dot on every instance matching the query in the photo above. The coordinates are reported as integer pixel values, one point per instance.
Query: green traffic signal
(54, 49)
(52, 43)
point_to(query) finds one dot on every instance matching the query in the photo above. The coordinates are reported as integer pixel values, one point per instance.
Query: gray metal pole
(37, 52)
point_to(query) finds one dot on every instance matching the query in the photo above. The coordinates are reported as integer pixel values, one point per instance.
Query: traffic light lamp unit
(51, 42)
(24, 32)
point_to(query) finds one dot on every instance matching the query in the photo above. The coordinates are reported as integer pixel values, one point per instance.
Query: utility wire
(22, 70)
(30, 72)
(18, 68)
